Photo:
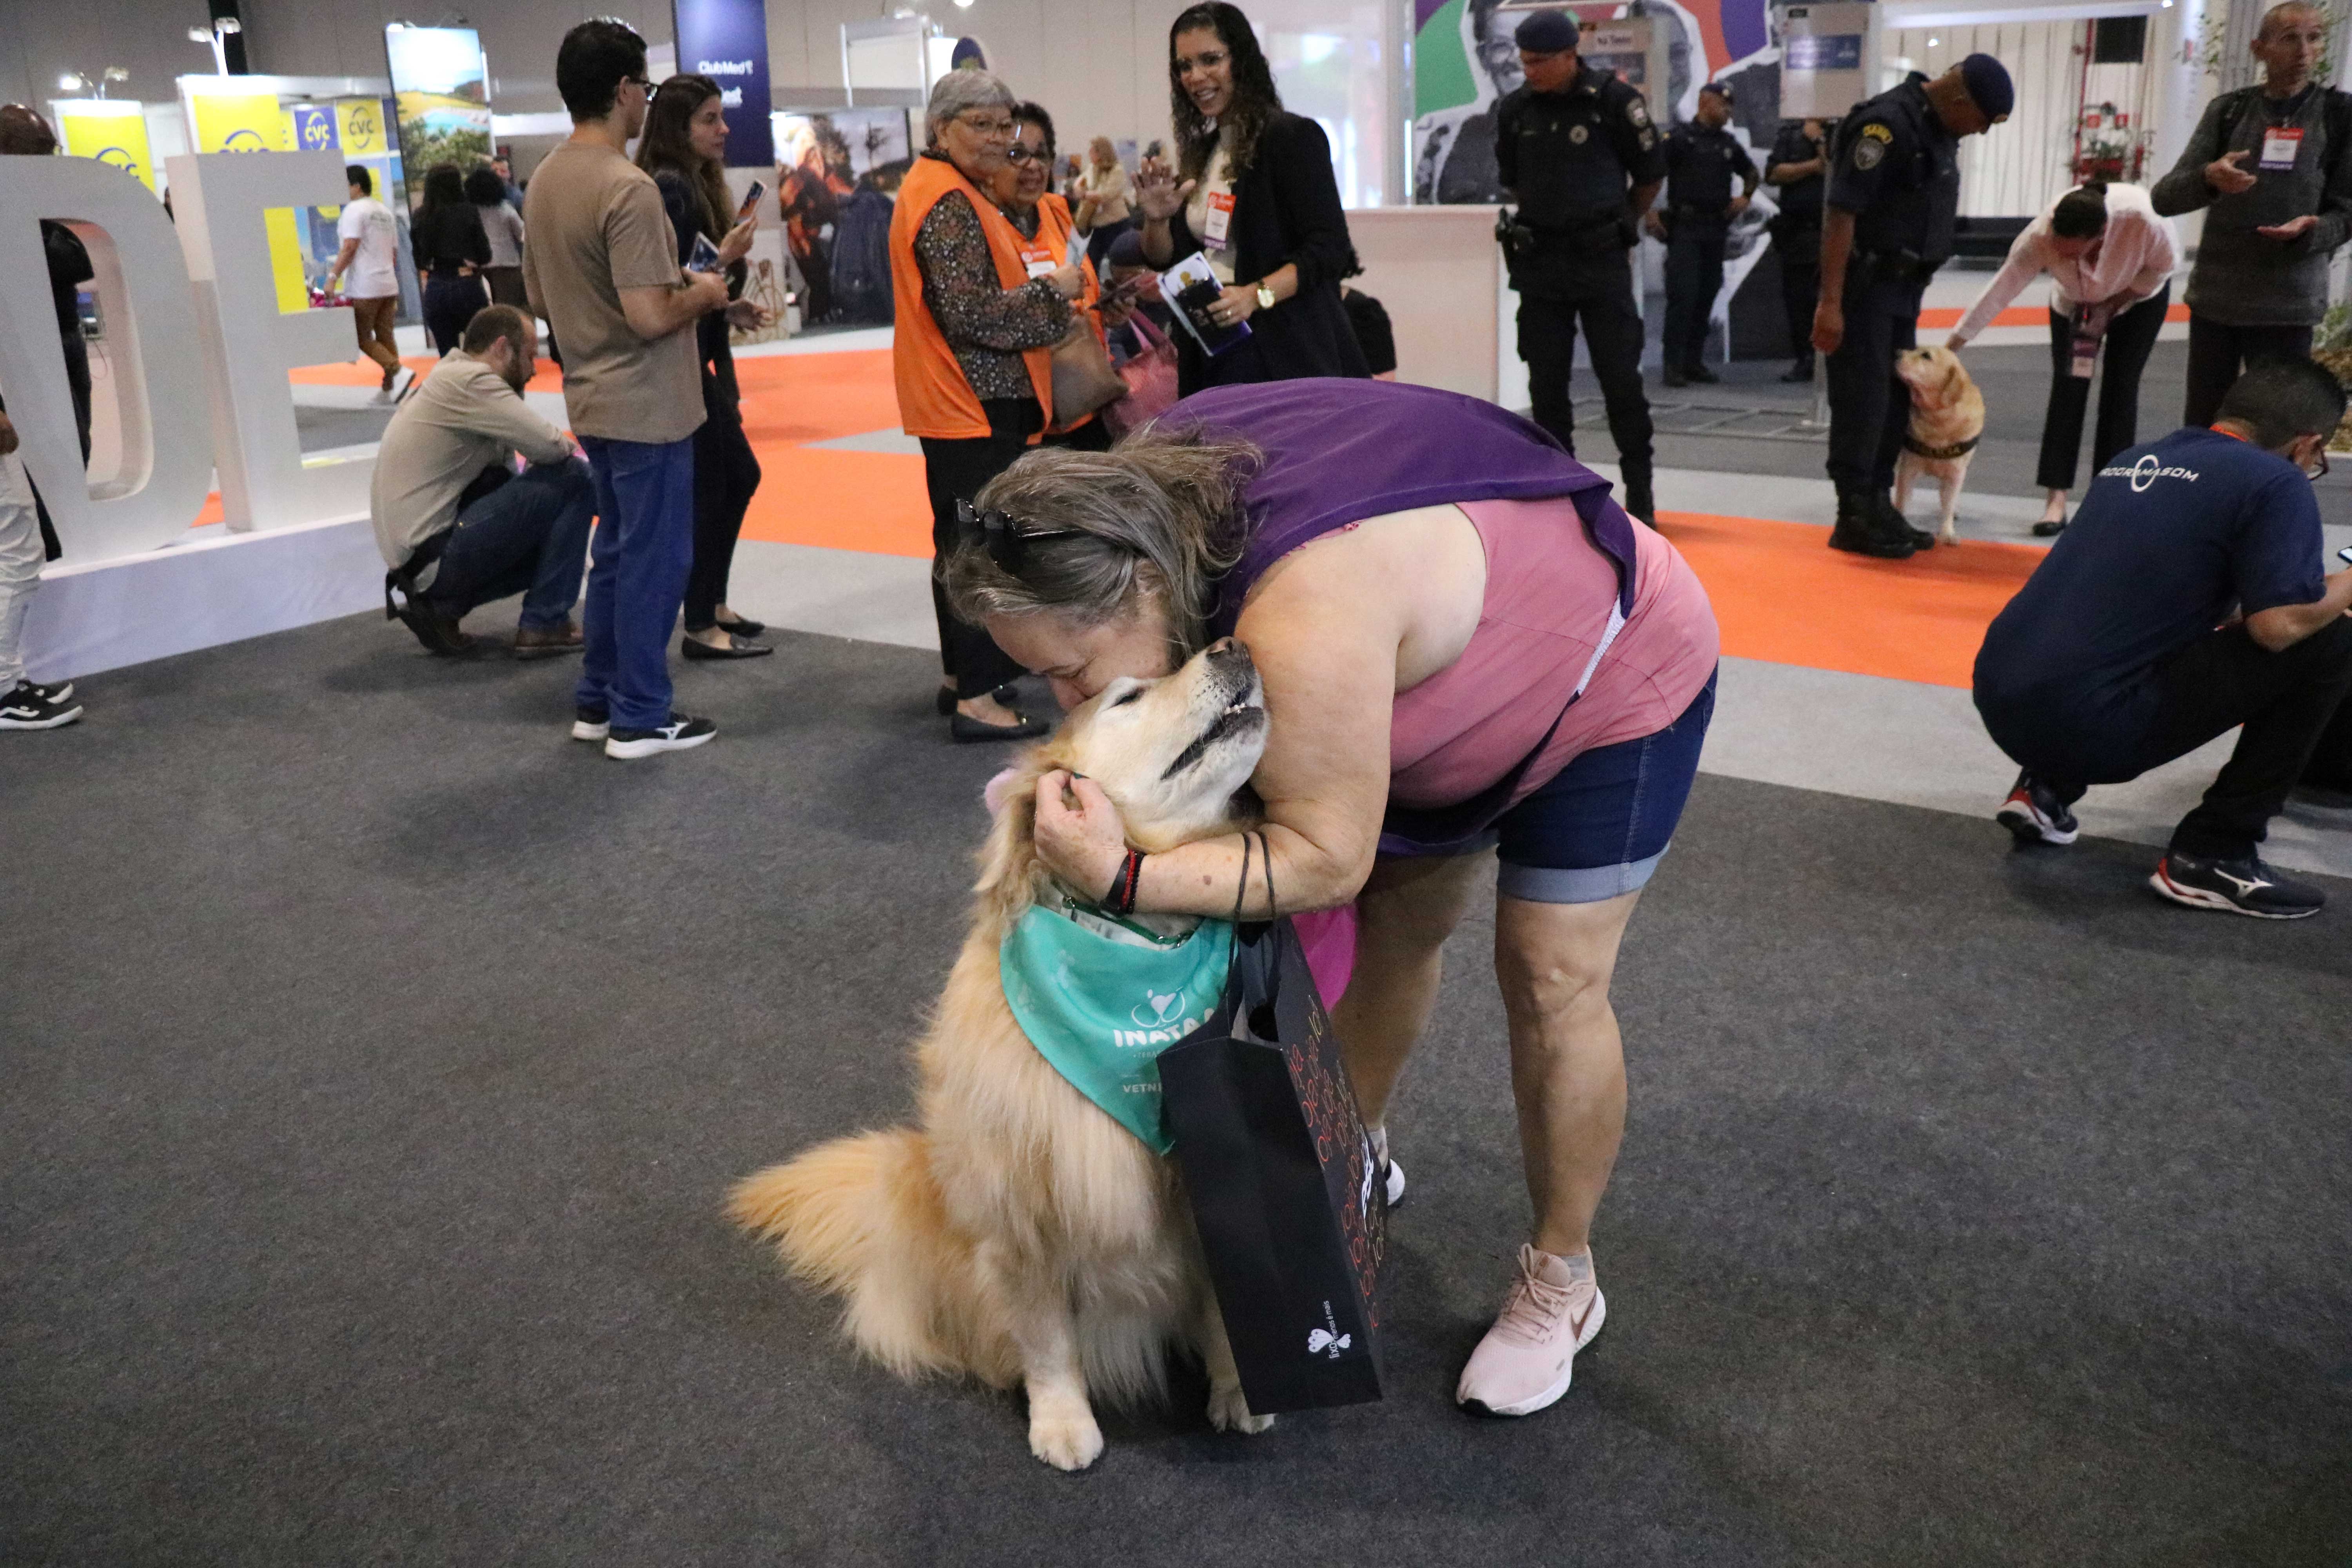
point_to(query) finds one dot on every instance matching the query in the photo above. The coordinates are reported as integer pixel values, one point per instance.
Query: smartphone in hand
(2345, 555)
(705, 256)
(751, 200)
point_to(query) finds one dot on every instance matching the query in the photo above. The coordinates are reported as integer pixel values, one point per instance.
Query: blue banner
(727, 40)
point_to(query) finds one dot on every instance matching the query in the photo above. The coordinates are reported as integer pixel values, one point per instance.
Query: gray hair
(959, 92)
(1158, 517)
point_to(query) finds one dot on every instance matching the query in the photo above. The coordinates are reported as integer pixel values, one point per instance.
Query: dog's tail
(862, 1217)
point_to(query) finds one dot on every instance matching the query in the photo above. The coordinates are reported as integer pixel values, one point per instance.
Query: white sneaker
(1394, 1179)
(1528, 1357)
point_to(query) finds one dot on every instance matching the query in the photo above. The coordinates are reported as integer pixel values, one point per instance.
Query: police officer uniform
(1703, 162)
(1896, 169)
(1797, 238)
(1569, 158)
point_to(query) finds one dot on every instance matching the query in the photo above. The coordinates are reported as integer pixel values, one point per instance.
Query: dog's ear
(1009, 850)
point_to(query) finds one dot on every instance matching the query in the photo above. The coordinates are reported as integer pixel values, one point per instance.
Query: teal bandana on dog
(1101, 998)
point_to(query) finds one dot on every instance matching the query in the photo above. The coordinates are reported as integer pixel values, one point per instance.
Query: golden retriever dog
(1946, 423)
(1019, 1233)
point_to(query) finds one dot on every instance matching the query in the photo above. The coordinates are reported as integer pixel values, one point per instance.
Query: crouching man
(456, 525)
(2187, 597)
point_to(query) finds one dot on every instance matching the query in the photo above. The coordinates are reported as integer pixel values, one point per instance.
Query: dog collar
(1956, 449)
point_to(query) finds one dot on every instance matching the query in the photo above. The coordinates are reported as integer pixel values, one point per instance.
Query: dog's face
(1171, 752)
(1935, 376)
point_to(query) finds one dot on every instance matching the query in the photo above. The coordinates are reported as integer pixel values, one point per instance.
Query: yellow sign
(359, 122)
(252, 122)
(242, 123)
(112, 130)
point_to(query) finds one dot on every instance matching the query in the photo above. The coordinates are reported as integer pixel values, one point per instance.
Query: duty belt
(1956, 449)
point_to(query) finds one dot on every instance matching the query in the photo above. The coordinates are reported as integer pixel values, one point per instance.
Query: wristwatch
(1265, 296)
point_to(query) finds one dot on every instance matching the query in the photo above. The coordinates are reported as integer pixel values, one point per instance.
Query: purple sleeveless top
(1339, 450)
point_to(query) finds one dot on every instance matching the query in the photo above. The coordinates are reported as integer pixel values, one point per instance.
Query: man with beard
(456, 523)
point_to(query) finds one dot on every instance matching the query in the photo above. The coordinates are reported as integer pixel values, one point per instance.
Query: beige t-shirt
(1108, 187)
(596, 227)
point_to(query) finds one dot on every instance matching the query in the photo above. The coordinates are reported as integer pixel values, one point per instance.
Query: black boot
(1863, 531)
(1892, 517)
(1638, 499)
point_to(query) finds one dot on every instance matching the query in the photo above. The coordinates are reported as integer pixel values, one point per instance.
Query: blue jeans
(636, 576)
(529, 537)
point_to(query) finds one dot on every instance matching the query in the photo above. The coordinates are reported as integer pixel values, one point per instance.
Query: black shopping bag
(1279, 1169)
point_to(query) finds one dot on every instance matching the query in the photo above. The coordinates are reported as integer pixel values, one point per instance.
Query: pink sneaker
(1528, 1358)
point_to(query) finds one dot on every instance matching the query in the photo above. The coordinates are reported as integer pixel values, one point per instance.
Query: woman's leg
(703, 582)
(2062, 420)
(2129, 340)
(1403, 915)
(1568, 1066)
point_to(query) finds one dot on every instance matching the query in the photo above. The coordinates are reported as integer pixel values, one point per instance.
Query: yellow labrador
(1019, 1233)
(1946, 423)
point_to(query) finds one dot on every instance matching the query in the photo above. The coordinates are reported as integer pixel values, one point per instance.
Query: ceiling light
(1933, 42)
(69, 82)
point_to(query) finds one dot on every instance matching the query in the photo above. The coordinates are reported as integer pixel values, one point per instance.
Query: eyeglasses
(986, 127)
(639, 81)
(1020, 154)
(2322, 474)
(1008, 543)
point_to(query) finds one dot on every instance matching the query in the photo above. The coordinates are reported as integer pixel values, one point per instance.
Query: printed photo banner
(441, 96)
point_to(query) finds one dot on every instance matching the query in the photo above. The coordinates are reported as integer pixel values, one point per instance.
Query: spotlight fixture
(221, 29)
(83, 81)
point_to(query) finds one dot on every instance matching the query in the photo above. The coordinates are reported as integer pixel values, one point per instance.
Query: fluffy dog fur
(1945, 410)
(1020, 1234)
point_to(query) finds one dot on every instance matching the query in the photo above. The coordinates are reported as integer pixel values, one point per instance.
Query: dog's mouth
(1245, 715)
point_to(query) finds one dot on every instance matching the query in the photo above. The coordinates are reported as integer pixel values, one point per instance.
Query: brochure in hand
(1191, 286)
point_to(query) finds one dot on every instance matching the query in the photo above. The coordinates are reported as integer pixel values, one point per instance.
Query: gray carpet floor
(375, 1058)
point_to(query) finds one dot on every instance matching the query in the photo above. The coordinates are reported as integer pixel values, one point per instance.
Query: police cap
(1546, 33)
(1721, 89)
(1988, 86)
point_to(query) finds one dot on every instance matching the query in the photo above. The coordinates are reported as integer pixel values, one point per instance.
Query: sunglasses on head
(1008, 543)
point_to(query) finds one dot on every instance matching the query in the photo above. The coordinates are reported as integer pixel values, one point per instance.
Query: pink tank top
(1548, 595)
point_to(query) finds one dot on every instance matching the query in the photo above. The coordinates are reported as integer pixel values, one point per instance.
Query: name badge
(1039, 260)
(2280, 144)
(1221, 217)
(2088, 331)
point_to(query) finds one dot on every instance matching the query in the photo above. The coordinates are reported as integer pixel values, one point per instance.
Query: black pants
(1693, 278)
(1612, 331)
(2217, 349)
(725, 475)
(449, 303)
(1099, 241)
(2290, 704)
(2130, 336)
(1800, 285)
(1869, 405)
(954, 471)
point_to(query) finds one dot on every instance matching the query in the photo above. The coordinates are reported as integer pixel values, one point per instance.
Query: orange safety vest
(934, 399)
(1052, 245)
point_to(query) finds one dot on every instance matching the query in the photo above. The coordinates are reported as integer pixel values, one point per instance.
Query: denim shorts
(1600, 826)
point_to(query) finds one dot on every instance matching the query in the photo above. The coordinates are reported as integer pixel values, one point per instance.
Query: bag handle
(1152, 336)
(1266, 856)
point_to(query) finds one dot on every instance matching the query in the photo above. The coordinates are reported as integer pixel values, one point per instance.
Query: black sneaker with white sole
(62, 690)
(682, 731)
(591, 723)
(2242, 886)
(28, 707)
(2034, 815)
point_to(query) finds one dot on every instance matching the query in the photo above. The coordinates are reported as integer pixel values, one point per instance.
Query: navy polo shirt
(2171, 537)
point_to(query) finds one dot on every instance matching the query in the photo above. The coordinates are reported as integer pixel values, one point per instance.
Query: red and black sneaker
(2034, 815)
(2243, 886)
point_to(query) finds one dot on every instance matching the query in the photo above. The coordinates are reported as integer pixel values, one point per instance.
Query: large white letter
(151, 344)
(220, 198)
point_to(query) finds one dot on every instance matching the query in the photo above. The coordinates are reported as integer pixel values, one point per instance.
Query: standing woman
(1252, 192)
(2110, 261)
(503, 224)
(972, 357)
(446, 239)
(683, 149)
(1046, 230)
(1104, 212)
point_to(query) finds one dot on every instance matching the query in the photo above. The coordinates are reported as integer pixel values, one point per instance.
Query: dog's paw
(1228, 1412)
(1066, 1442)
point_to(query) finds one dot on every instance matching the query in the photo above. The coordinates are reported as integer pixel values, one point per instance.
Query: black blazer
(1285, 210)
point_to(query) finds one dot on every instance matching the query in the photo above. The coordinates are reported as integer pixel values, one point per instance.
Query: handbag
(1279, 1169)
(1150, 378)
(1082, 378)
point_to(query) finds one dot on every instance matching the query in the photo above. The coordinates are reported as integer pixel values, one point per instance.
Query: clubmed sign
(198, 348)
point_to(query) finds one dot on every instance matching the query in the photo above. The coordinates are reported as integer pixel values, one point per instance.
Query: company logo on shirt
(2146, 472)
